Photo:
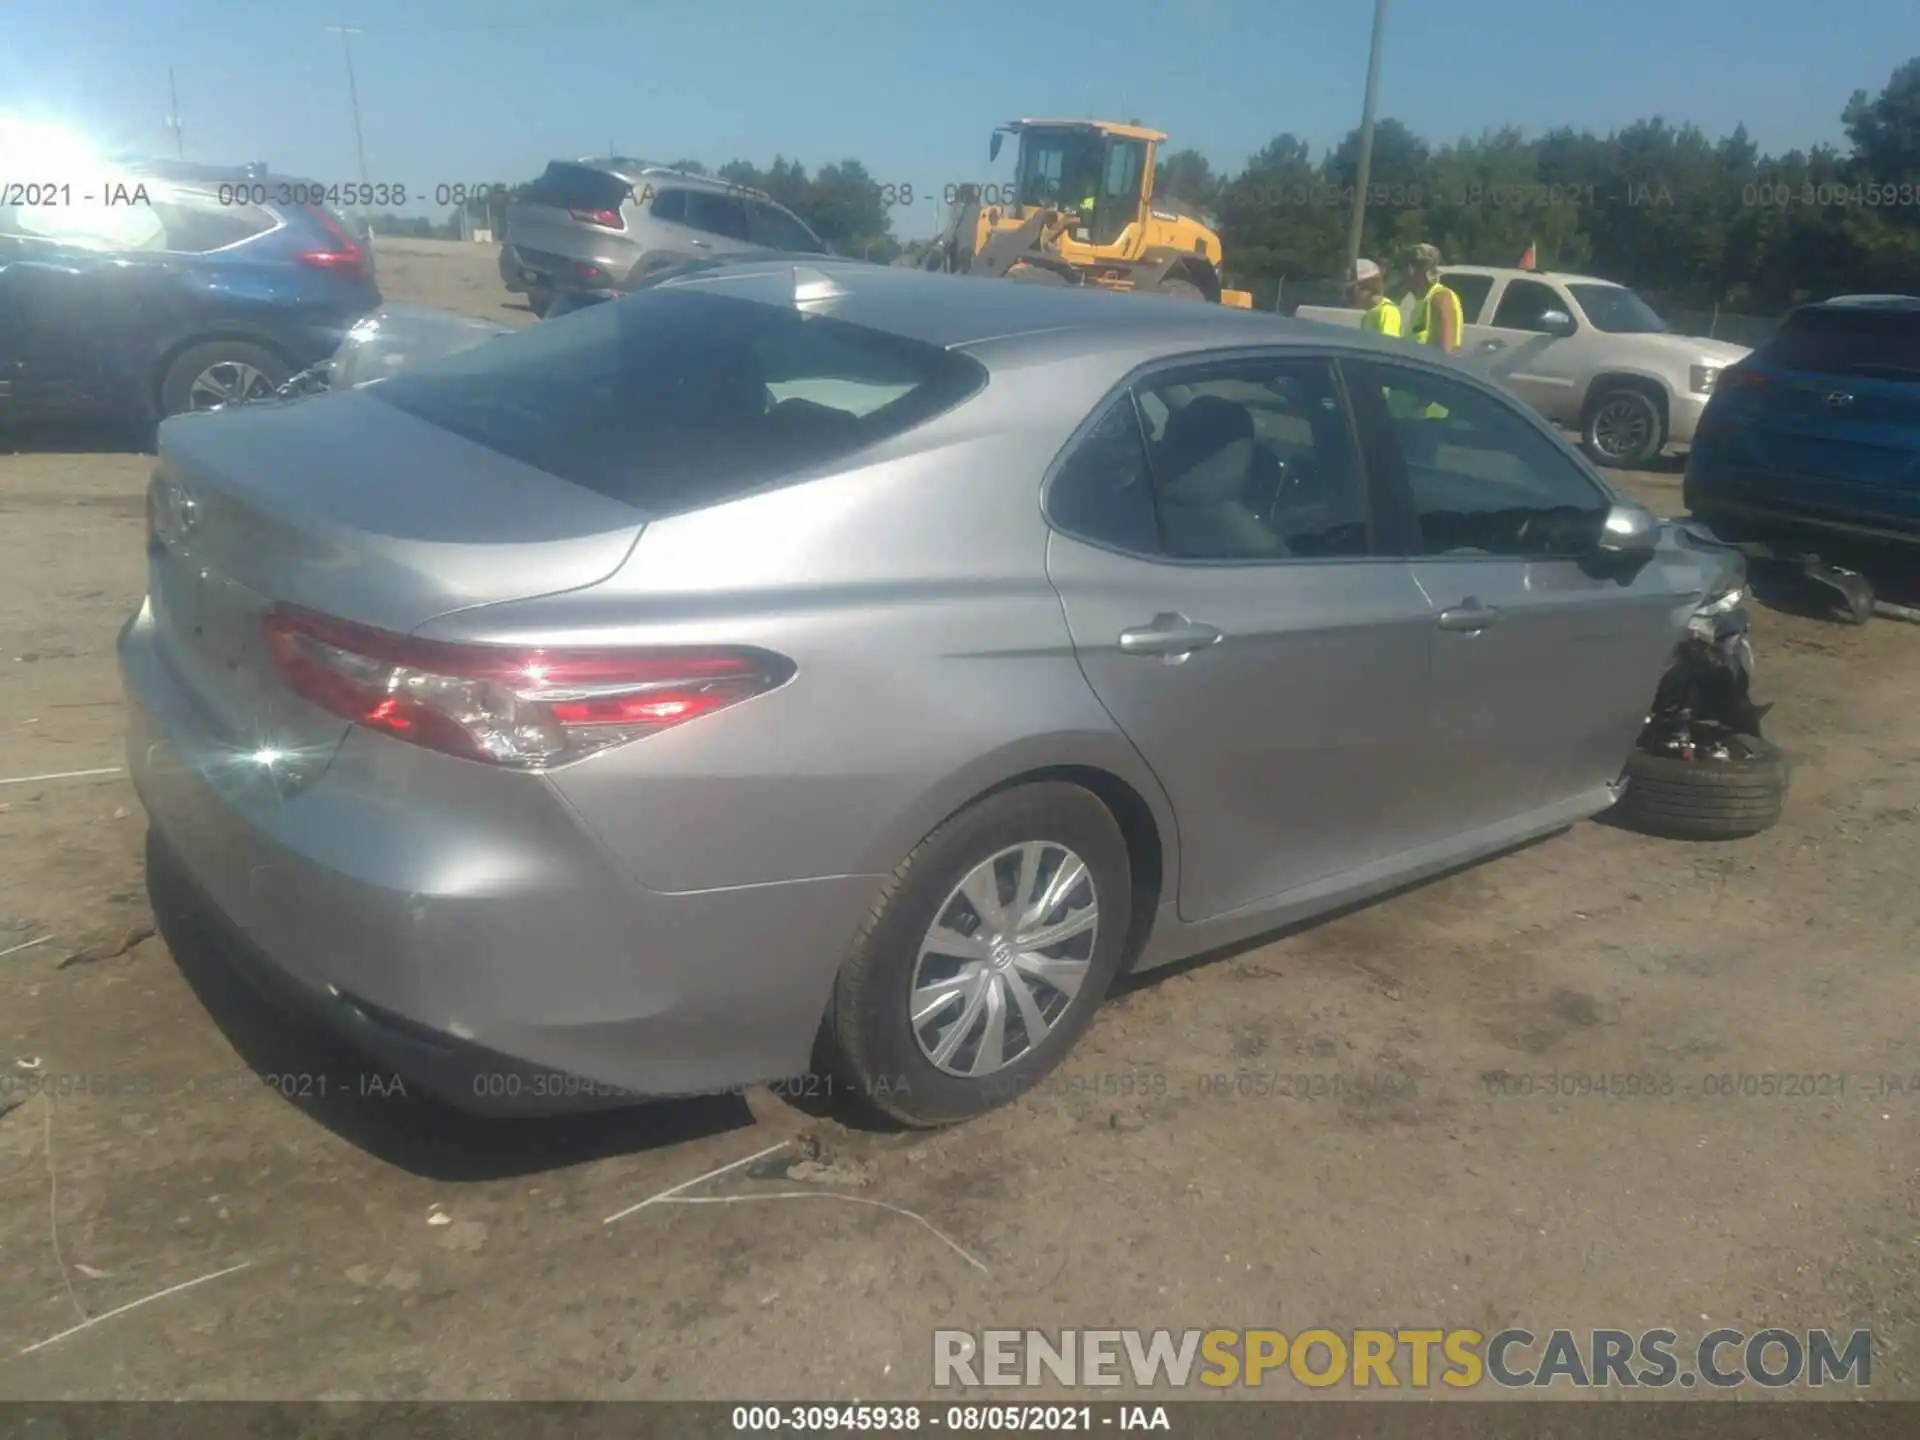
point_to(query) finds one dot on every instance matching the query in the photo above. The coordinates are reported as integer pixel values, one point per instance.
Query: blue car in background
(169, 287)
(1815, 437)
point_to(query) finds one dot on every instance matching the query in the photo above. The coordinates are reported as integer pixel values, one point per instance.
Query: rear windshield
(1847, 341)
(578, 187)
(670, 401)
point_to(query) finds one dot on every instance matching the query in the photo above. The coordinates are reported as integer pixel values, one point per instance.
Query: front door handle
(1469, 617)
(1171, 635)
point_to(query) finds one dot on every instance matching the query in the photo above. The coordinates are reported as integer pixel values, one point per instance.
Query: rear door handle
(1469, 617)
(1170, 635)
(1487, 347)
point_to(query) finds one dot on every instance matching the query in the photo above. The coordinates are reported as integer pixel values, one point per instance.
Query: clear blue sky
(489, 90)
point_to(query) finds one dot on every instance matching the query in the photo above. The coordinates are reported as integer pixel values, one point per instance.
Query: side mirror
(993, 145)
(1557, 323)
(1630, 533)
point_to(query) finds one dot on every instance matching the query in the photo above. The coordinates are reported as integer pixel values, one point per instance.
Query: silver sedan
(849, 665)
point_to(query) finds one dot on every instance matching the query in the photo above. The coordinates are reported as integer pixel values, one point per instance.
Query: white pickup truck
(1588, 354)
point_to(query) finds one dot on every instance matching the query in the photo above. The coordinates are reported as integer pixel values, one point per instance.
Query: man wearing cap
(1368, 287)
(1437, 318)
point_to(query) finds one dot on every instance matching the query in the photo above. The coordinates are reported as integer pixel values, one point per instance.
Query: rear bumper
(1765, 505)
(466, 929)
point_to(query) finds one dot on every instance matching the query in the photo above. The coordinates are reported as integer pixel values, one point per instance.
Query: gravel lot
(1397, 1188)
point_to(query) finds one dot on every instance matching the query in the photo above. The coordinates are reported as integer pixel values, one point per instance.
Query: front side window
(671, 400)
(1482, 478)
(91, 226)
(1617, 310)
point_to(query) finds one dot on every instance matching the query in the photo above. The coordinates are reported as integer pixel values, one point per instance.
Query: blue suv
(1817, 433)
(171, 287)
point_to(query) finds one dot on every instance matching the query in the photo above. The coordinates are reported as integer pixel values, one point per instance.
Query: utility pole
(1365, 170)
(173, 117)
(353, 99)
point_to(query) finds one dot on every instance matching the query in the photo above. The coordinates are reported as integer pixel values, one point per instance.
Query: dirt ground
(393, 1250)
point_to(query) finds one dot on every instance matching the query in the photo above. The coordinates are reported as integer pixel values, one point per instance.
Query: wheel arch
(236, 334)
(1652, 386)
(1103, 764)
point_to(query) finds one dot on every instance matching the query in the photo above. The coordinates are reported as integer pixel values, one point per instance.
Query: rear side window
(717, 214)
(194, 221)
(773, 227)
(1846, 341)
(670, 205)
(671, 401)
(578, 187)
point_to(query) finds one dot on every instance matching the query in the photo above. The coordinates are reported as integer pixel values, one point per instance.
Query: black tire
(177, 393)
(868, 1040)
(540, 301)
(1705, 799)
(1623, 429)
(1176, 287)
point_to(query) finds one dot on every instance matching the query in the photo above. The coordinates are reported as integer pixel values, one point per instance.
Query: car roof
(1514, 272)
(1873, 302)
(194, 172)
(634, 171)
(1022, 323)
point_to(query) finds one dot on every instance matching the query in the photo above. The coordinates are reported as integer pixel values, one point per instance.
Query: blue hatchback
(169, 287)
(1818, 431)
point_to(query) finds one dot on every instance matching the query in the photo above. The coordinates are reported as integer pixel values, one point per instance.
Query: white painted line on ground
(61, 775)
(28, 945)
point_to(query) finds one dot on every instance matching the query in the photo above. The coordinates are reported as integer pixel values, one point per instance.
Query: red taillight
(343, 257)
(606, 219)
(589, 272)
(529, 708)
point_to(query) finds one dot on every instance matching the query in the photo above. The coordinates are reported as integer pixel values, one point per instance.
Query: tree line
(1691, 220)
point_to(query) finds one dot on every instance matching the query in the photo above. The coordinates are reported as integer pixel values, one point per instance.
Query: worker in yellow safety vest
(1437, 316)
(1368, 288)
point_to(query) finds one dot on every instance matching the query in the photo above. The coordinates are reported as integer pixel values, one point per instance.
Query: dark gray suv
(607, 224)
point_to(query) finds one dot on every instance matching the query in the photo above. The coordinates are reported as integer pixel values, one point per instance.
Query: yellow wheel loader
(1080, 211)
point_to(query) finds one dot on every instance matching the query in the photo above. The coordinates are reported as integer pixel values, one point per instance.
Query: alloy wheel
(1622, 428)
(228, 382)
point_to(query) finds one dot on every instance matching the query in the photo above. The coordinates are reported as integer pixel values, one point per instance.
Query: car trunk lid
(346, 506)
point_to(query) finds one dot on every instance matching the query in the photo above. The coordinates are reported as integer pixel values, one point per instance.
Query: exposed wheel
(220, 373)
(1623, 429)
(985, 957)
(1177, 288)
(1711, 797)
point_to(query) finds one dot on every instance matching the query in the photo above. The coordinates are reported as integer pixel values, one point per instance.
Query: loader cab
(1062, 164)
